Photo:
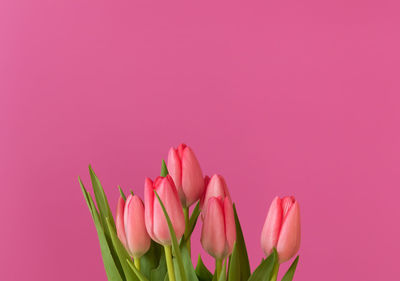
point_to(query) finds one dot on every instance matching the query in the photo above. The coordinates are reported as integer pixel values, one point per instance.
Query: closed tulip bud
(156, 222)
(216, 187)
(219, 232)
(131, 227)
(282, 228)
(187, 175)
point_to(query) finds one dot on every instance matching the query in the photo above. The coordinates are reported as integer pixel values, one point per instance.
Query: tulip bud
(131, 229)
(187, 175)
(219, 232)
(216, 187)
(156, 223)
(282, 228)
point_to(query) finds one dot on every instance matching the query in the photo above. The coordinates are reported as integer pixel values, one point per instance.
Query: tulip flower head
(216, 187)
(187, 175)
(282, 228)
(131, 229)
(156, 223)
(219, 232)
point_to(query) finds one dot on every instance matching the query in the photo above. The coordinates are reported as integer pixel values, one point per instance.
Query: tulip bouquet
(152, 241)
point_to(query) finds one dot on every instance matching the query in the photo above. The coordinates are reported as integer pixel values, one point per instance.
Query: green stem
(218, 267)
(137, 263)
(275, 271)
(186, 235)
(170, 266)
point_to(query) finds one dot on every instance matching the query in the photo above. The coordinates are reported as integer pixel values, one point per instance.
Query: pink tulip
(186, 172)
(156, 222)
(216, 187)
(282, 228)
(219, 232)
(131, 227)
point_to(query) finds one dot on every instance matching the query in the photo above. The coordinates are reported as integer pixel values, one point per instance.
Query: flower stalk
(137, 263)
(170, 266)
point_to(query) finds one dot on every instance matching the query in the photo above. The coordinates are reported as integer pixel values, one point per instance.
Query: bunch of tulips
(152, 241)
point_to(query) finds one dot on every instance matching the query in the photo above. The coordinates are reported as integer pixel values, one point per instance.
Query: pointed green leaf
(164, 169)
(139, 275)
(175, 245)
(121, 193)
(202, 272)
(264, 271)
(104, 212)
(187, 263)
(290, 273)
(101, 199)
(234, 265)
(112, 271)
(194, 217)
(121, 252)
(241, 248)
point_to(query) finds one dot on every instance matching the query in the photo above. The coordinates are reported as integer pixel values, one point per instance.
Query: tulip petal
(230, 226)
(192, 177)
(213, 232)
(149, 211)
(216, 188)
(272, 225)
(175, 169)
(169, 196)
(137, 237)
(119, 221)
(289, 236)
(287, 203)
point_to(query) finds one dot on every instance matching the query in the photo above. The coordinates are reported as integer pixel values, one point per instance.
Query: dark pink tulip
(219, 232)
(156, 222)
(187, 175)
(216, 187)
(282, 228)
(131, 227)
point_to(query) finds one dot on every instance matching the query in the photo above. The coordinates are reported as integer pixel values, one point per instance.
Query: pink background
(281, 97)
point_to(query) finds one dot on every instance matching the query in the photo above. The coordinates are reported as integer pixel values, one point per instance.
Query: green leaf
(164, 169)
(104, 212)
(264, 271)
(241, 248)
(121, 193)
(160, 273)
(202, 272)
(193, 218)
(101, 198)
(175, 245)
(290, 273)
(187, 263)
(151, 259)
(139, 275)
(112, 270)
(234, 265)
(121, 253)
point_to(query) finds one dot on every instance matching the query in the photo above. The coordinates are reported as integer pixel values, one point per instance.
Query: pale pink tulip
(216, 187)
(282, 228)
(131, 227)
(187, 175)
(156, 222)
(219, 232)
